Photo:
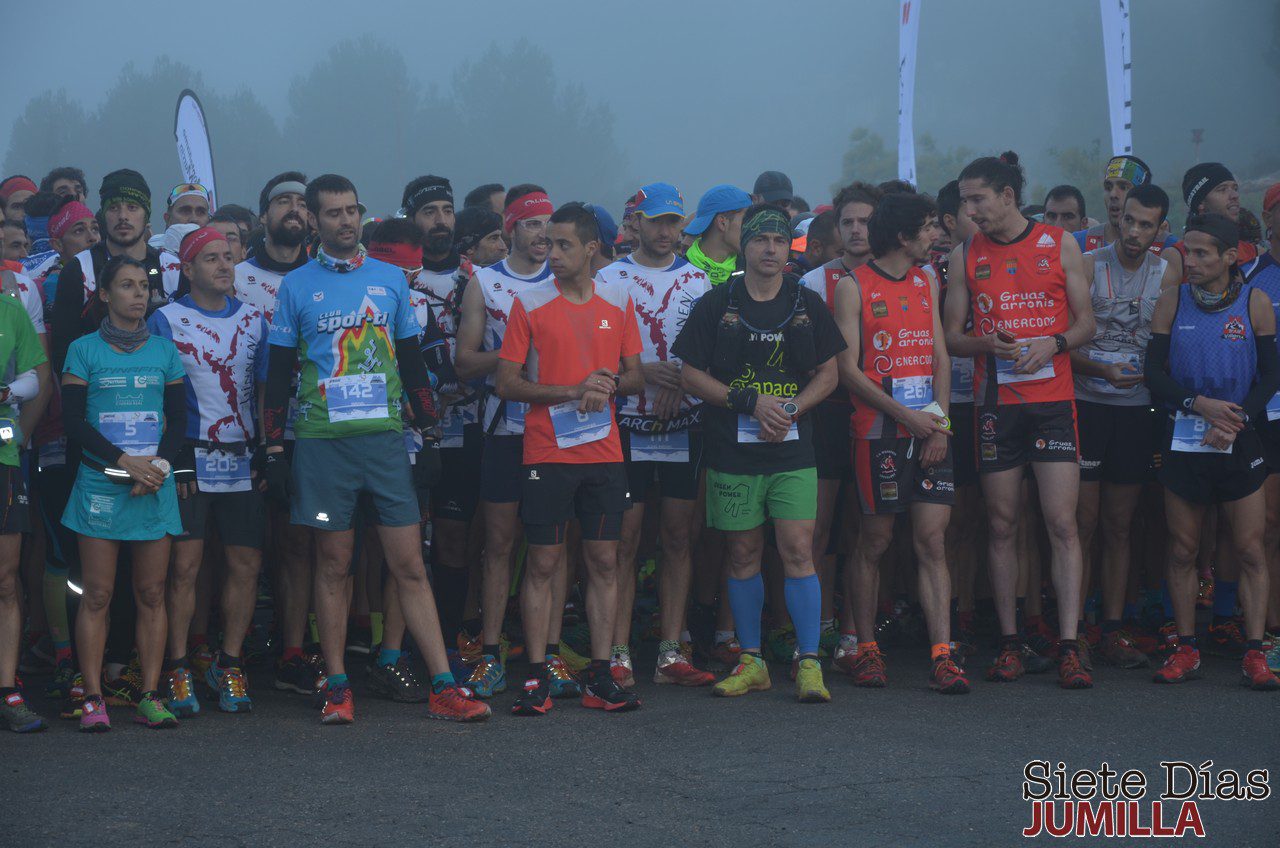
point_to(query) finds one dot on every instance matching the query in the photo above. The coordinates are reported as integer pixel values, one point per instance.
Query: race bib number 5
(356, 397)
(137, 433)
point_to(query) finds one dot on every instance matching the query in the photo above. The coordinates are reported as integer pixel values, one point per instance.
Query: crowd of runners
(491, 442)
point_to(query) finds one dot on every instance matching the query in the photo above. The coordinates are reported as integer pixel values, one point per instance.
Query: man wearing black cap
(773, 187)
(1210, 188)
(1212, 361)
(125, 208)
(477, 236)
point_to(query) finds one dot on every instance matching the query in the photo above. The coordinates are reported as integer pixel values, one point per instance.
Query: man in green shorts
(760, 352)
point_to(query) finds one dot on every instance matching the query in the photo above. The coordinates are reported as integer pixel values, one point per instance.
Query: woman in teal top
(124, 408)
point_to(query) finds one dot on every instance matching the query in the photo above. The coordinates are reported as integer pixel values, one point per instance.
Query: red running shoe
(456, 703)
(947, 678)
(1182, 665)
(339, 705)
(675, 668)
(1071, 671)
(1008, 665)
(534, 700)
(1255, 674)
(868, 669)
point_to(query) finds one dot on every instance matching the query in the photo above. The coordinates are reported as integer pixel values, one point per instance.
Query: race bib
(1273, 407)
(1006, 374)
(137, 433)
(962, 379)
(913, 392)
(451, 423)
(749, 431)
(412, 442)
(1128, 363)
(356, 397)
(512, 422)
(573, 428)
(660, 447)
(1188, 434)
(222, 471)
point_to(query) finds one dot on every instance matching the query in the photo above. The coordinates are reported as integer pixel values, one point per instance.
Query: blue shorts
(102, 509)
(330, 474)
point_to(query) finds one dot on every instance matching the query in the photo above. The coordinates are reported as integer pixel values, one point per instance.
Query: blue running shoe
(563, 683)
(232, 688)
(489, 678)
(181, 695)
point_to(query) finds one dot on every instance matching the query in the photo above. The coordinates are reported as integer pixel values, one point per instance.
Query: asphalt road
(901, 767)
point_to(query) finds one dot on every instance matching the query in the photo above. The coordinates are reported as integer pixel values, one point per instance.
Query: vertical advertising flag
(908, 37)
(195, 154)
(1115, 48)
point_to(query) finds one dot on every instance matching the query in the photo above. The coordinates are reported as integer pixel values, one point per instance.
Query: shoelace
(338, 694)
(180, 683)
(483, 669)
(558, 670)
(233, 679)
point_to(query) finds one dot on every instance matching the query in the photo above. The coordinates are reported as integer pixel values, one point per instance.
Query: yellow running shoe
(577, 662)
(809, 686)
(750, 675)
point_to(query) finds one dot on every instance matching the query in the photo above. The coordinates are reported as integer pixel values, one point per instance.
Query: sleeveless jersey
(663, 298)
(1021, 288)
(1212, 353)
(224, 355)
(1123, 303)
(500, 285)
(897, 346)
(822, 280)
(1096, 237)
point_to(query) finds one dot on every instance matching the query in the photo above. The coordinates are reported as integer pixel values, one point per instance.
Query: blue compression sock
(746, 599)
(804, 603)
(388, 656)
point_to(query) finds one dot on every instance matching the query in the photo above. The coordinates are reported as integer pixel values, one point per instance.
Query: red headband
(196, 241)
(406, 257)
(65, 217)
(14, 184)
(529, 206)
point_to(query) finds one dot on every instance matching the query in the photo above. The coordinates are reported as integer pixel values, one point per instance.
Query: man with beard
(125, 209)
(283, 212)
(1123, 173)
(477, 236)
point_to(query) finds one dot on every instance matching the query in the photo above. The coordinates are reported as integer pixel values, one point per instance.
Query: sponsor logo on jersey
(984, 302)
(112, 382)
(879, 309)
(1040, 444)
(902, 301)
(883, 365)
(376, 290)
(317, 296)
(141, 381)
(924, 304)
(1043, 266)
(888, 491)
(1011, 266)
(988, 425)
(1046, 240)
(989, 452)
(881, 340)
(1233, 330)
(887, 462)
(982, 272)
(368, 313)
(604, 324)
(926, 484)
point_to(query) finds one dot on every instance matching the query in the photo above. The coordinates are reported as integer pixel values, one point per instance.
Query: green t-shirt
(20, 351)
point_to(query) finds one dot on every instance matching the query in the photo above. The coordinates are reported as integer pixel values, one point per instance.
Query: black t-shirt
(763, 367)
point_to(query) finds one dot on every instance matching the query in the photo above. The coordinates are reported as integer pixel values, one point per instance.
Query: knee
(9, 586)
(95, 598)
(931, 552)
(1002, 529)
(1062, 528)
(874, 543)
(150, 594)
(1182, 551)
(1250, 553)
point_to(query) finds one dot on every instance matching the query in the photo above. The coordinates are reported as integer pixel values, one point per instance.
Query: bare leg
(150, 565)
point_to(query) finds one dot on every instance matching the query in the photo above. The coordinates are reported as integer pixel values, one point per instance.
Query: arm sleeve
(1161, 385)
(75, 399)
(1268, 381)
(68, 306)
(515, 342)
(282, 360)
(435, 351)
(175, 421)
(416, 381)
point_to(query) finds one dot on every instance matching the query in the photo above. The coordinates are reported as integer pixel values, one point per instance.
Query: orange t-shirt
(560, 343)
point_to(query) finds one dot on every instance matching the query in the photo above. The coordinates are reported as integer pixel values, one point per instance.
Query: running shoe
(20, 717)
(125, 690)
(201, 657)
(750, 675)
(296, 675)
(488, 678)
(1168, 639)
(1118, 649)
(1182, 664)
(576, 662)
(828, 639)
(1225, 640)
(947, 678)
(152, 713)
(869, 670)
(359, 641)
(456, 703)
(1007, 666)
(1255, 674)
(470, 647)
(534, 700)
(620, 667)
(780, 644)
(232, 687)
(809, 686)
(846, 653)
(1085, 651)
(563, 683)
(725, 655)
(398, 683)
(64, 677)
(1273, 653)
(674, 668)
(1071, 671)
(180, 693)
(73, 704)
(607, 695)
(93, 715)
(339, 705)
(458, 667)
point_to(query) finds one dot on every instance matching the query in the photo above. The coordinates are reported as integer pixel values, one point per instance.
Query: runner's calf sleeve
(746, 599)
(804, 603)
(275, 412)
(54, 590)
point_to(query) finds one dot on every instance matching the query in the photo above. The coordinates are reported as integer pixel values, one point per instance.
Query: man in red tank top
(898, 372)
(1023, 284)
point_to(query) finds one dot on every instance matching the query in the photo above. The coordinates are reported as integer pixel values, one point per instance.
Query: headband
(196, 242)
(1129, 168)
(429, 193)
(529, 206)
(404, 256)
(15, 184)
(287, 187)
(768, 220)
(66, 217)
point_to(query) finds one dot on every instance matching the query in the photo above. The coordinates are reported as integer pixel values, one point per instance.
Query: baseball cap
(773, 186)
(657, 199)
(720, 198)
(1271, 198)
(605, 223)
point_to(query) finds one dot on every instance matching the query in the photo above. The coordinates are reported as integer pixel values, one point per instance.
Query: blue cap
(659, 199)
(604, 222)
(721, 198)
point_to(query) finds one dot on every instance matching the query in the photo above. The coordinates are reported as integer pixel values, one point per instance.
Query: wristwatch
(162, 465)
(791, 408)
(1061, 341)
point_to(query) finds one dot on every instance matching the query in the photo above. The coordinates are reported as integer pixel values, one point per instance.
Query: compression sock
(439, 681)
(804, 605)
(377, 625)
(337, 680)
(1224, 600)
(388, 656)
(54, 589)
(746, 599)
(939, 650)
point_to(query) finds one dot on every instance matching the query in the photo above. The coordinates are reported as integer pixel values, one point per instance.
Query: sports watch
(791, 408)
(162, 465)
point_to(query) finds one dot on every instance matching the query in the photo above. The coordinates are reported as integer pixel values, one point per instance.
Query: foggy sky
(717, 90)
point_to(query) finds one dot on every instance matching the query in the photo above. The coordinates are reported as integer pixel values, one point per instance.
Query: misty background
(592, 100)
